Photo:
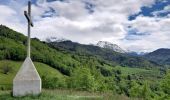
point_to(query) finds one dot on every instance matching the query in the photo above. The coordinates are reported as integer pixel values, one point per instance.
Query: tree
(53, 82)
(146, 91)
(135, 90)
(165, 84)
(82, 79)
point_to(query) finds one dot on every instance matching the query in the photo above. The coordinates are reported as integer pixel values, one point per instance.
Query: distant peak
(55, 39)
(111, 46)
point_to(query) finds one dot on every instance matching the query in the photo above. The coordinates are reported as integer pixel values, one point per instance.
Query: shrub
(82, 79)
(6, 68)
(53, 82)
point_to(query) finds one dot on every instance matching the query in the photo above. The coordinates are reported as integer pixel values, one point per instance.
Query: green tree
(146, 91)
(53, 82)
(135, 90)
(165, 84)
(81, 78)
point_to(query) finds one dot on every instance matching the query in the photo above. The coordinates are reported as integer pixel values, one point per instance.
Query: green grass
(149, 74)
(129, 71)
(65, 95)
(6, 79)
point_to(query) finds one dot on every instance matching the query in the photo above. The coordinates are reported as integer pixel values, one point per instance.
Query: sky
(134, 25)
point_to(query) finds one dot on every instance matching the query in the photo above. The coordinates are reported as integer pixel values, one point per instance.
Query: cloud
(158, 37)
(89, 21)
(9, 17)
(107, 20)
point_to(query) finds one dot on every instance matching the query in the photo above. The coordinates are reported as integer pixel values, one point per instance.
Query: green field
(129, 71)
(6, 79)
(147, 74)
(45, 70)
(59, 94)
(65, 95)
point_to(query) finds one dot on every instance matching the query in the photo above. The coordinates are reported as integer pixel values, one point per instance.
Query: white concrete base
(27, 81)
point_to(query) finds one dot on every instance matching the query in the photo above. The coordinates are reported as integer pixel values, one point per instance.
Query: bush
(6, 68)
(82, 79)
(165, 84)
(53, 82)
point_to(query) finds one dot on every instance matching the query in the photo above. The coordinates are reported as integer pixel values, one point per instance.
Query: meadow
(48, 94)
(63, 94)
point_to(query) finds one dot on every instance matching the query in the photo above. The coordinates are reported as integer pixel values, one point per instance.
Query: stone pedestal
(27, 81)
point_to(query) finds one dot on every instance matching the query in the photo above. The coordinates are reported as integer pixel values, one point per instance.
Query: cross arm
(28, 18)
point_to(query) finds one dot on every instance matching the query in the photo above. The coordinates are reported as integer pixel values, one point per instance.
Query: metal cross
(30, 23)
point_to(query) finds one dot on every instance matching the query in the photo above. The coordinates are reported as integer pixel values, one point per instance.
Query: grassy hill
(59, 94)
(62, 94)
(48, 72)
(43, 70)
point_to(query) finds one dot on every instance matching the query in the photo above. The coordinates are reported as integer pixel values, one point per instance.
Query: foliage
(165, 84)
(6, 68)
(82, 79)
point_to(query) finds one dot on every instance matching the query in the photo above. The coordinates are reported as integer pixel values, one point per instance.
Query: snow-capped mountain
(108, 45)
(55, 39)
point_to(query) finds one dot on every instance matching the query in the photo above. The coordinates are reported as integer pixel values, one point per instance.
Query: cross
(27, 81)
(30, 23)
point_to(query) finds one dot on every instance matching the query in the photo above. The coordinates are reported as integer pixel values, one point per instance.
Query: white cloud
(159, 31)
(108, 22)
(8, 17)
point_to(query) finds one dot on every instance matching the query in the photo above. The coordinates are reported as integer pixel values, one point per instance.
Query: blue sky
(148, 11)
(135, 25)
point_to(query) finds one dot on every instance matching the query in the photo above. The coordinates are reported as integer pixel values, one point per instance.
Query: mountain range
(158, 57)
(107, 55)
(102, 44)
(104, 51)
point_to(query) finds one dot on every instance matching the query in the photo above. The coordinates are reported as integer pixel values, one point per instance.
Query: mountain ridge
(111, 46)
(161, 56)
(103, 53)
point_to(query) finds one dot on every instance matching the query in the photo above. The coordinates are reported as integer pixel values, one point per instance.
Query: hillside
(51, 73)
(110, 56)
(13, 47)
(161, 56)
(43, 69)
